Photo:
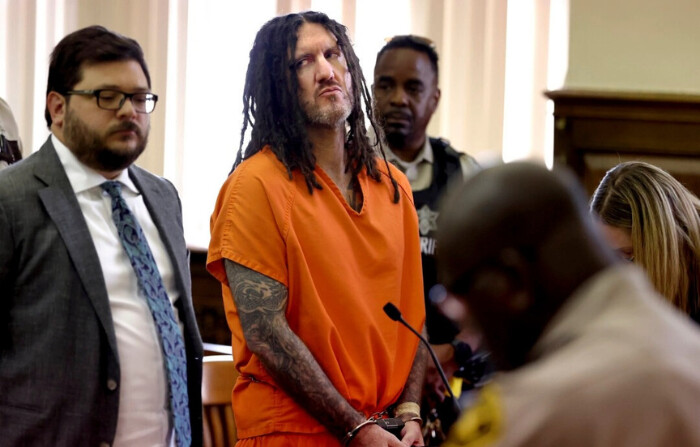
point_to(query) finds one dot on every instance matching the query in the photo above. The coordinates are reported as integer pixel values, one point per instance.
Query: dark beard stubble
(91, 148)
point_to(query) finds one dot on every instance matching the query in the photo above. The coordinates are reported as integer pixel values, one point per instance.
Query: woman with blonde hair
(654, 221)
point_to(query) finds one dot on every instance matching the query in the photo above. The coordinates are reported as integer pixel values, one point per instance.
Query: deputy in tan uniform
(406, 95)
(590, 355)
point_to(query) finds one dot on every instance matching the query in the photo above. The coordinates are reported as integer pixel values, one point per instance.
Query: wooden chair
(218, 377)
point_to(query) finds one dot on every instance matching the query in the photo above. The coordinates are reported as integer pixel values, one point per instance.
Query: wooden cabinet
(594, 130)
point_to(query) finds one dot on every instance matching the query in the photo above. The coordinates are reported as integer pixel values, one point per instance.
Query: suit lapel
(62, 207)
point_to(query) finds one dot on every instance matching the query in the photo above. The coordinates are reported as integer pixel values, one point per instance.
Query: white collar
(425, 154)
(82, 177)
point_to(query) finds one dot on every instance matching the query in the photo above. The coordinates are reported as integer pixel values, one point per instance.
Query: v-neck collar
(361, 181)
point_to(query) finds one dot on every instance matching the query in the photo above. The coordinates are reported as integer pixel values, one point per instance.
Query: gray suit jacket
(58, 352)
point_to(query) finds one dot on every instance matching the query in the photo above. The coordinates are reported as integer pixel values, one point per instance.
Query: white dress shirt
(144, 416)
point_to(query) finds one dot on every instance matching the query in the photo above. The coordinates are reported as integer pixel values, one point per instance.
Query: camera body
(474, 367)
(392, 425)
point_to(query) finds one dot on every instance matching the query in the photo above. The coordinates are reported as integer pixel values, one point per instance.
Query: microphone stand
(395, 314)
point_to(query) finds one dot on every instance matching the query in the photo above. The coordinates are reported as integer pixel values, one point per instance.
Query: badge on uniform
(427, 220)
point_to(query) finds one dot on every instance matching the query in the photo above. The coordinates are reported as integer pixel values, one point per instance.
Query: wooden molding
(594, 130)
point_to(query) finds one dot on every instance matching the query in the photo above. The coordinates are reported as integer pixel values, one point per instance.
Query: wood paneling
(208, 304)
(593, 131)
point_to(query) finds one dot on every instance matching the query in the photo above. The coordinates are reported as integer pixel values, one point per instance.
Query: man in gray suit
(98, 339)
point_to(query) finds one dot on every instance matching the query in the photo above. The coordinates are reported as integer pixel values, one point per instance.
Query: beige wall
(470, 41)
(635, 45)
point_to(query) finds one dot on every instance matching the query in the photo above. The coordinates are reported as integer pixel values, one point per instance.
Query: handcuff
(392, 425)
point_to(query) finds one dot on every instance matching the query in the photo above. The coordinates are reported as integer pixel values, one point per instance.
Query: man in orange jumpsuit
(312, 234)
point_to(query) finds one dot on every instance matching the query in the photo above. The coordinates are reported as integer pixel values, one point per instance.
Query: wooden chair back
(218, 377)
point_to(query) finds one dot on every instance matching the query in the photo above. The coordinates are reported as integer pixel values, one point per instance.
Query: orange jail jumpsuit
(340, 268)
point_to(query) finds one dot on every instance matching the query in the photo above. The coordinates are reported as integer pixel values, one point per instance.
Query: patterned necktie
(151, 284)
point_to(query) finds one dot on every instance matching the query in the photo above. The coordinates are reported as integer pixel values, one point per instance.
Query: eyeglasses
(420, 40)
(109, 99)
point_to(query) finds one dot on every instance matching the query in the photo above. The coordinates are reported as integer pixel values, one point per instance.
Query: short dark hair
(272, 109)
(90, 45)
(417, 43)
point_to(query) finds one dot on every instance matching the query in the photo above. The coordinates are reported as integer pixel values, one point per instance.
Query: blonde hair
(663, 219)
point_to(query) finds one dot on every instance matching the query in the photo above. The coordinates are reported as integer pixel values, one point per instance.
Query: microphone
(395, 314)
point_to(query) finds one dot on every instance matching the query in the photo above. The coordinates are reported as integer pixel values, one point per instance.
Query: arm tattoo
(261, 303)
(414, 384)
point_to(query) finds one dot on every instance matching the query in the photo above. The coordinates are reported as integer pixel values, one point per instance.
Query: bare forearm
(414, 384)
(261, 304)
(408, 409)
(294, 368)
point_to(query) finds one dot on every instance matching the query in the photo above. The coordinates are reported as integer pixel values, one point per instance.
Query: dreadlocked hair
(272, 110)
